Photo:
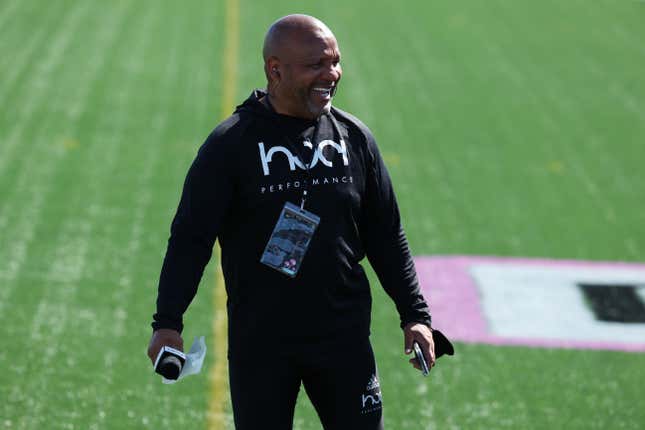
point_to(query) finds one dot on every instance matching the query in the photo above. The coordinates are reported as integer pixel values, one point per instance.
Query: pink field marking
(455, 303)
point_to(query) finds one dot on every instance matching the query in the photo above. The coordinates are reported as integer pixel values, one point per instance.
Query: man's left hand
(422, 334)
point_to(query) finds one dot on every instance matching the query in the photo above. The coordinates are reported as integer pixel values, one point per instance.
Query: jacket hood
(252, 104)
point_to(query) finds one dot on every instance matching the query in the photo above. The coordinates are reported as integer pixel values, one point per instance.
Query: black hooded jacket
(234, 191)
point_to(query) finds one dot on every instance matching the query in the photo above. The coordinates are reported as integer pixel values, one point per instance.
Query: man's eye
(315, 66)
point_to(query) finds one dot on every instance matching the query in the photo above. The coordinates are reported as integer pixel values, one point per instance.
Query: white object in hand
(194, 360)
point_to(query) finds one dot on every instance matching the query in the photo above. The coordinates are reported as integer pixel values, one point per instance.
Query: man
(298, 300)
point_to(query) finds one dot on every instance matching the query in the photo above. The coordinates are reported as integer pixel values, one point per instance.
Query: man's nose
(333, 72)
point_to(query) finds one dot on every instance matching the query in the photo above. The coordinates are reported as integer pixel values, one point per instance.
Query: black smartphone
(421, 359)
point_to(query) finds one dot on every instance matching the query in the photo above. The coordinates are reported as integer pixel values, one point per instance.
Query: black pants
(339, 377)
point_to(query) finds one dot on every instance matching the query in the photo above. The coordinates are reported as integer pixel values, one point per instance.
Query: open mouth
(324, 92)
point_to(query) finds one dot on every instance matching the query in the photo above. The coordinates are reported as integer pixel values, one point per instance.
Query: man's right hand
(164, 337)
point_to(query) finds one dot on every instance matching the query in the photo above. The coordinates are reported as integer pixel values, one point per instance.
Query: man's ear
(272, 68)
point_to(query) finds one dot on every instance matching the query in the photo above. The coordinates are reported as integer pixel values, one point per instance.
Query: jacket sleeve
(203, 206)
(386, 244)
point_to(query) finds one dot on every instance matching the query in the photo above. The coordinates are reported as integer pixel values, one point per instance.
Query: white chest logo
(294, 161)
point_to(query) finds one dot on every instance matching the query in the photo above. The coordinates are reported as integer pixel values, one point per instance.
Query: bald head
(290, 30)
(302, 66)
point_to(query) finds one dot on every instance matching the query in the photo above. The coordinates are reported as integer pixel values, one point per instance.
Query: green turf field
(513, 128)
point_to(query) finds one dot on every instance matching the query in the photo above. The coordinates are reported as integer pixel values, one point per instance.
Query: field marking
(218, 374)
(493, 300)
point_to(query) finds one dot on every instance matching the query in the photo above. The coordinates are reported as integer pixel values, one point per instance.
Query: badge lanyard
(299, 154)
(295, 227)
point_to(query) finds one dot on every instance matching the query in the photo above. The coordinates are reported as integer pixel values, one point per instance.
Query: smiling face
(304, 71)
